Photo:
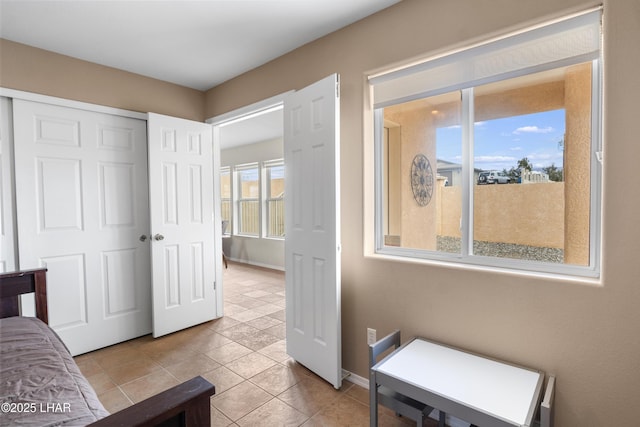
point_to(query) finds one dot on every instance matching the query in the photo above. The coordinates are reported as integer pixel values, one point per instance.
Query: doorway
(252, 187)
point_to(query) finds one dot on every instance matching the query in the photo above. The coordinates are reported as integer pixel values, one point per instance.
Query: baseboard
(257, 264)
(356, 379)
(364, 383)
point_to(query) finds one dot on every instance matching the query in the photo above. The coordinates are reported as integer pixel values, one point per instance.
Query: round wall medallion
(421, 180)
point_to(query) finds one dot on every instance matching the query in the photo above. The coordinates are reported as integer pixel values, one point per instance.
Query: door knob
(143, 238)
(158, 237)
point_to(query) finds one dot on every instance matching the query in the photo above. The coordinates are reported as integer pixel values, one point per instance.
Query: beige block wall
(586, 334)
(525, 214)
(450, 206)
(29, 69)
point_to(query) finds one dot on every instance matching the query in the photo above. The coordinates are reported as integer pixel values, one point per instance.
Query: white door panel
(312, 242)
(82, 204)
(182, 223)
(7, 237)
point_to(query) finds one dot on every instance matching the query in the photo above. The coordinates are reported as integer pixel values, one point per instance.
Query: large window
(248, 199)
(490, 155)
(253, 199)
(274, 198)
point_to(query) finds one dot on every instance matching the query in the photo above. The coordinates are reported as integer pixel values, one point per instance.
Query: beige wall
(29, 69)
(585, 334)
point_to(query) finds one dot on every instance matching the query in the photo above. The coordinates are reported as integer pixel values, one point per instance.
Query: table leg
(373, 400)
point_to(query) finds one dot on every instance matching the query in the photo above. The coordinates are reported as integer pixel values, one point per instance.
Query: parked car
(493, 177)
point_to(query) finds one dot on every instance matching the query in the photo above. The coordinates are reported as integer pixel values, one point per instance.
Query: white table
(476, 389)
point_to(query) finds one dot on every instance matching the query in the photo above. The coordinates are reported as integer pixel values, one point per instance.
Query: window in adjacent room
(225, 191)
(274, 198)
(247, 190)
(491, 155)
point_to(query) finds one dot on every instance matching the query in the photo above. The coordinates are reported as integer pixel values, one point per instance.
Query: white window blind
(565, 42)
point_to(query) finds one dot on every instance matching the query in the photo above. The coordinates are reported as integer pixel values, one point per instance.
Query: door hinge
(214, 286)
(338, 87)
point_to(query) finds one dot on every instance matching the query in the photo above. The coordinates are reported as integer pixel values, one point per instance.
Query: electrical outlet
(371, 336)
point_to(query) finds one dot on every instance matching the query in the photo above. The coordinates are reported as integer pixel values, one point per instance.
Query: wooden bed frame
(185, 405)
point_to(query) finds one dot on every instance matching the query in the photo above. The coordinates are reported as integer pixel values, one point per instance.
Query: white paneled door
(7, 245)
(182, 223)
(312, 242)
(82, 208)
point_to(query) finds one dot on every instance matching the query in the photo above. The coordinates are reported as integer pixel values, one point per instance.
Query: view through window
(490, 155)
(248, 199)
(528, 167)
(274, 198)
(225, 191)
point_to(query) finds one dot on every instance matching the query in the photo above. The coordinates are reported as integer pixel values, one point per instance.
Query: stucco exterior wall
(450, 206)
(578, 164)
(585, 332)
(417, 136)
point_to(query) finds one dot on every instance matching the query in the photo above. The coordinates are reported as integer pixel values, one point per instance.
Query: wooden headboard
(16, 283)
(184, 405)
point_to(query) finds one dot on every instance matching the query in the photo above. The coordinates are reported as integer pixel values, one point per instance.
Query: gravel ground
(504, 250)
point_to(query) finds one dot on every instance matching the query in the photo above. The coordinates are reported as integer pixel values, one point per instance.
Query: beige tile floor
(243, 354)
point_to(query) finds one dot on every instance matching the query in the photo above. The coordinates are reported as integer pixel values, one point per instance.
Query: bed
(41, 385)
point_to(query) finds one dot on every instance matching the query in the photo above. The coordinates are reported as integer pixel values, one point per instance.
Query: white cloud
(540, 156)
(515, 148)
(494, 159)
(533, 129)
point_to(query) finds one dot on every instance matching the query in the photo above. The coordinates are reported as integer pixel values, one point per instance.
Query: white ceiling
(198, 44)
(265, 126)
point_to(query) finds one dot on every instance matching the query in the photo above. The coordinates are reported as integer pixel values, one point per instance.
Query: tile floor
(243, 354)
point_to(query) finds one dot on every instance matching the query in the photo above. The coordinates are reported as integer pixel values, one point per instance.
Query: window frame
(227, 169)
(466, 257)
(238, 199)
(268, 197)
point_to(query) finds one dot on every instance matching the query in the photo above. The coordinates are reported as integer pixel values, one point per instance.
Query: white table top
(502, 390)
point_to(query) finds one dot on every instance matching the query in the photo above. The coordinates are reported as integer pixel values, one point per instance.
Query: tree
(525, 164)
(555, 173)
(513, 173)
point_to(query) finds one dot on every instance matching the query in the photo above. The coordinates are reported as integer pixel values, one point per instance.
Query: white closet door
(182, 223)
(312, 215)
(82, 206)
(7, 238)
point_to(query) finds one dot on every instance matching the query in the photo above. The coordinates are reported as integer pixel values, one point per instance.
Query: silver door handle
(158, 237)
(143, 238)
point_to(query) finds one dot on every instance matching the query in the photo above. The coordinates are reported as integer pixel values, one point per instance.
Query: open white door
(312, 215)
(183, 254)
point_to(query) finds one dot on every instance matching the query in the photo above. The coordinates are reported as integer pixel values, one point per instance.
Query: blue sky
(500, 143)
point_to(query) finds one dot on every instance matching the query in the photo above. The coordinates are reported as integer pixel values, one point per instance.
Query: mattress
(40, 384)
